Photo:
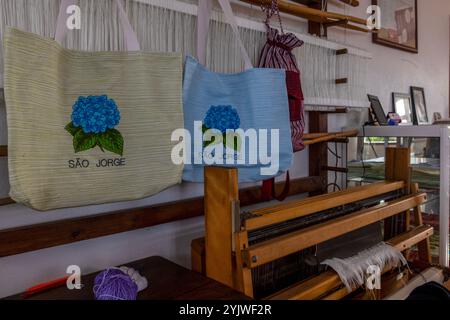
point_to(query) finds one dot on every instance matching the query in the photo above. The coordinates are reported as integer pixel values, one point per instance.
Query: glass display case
(430, 160)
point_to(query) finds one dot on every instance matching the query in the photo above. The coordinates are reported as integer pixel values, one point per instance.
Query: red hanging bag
(277, 53)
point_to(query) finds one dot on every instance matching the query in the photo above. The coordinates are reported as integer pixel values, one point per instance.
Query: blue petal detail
(95, 114)
(222, 118)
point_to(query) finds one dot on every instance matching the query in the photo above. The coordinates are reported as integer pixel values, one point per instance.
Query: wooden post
(315, 28)
(318, 153)
(397, 168)
(221, 193)
(318, 122)
(243, 275)
(423, 247)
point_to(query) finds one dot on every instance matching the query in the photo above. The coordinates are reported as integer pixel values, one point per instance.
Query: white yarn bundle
(140, 281)
(352, 271)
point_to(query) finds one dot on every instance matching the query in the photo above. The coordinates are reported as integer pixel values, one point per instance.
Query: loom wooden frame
(229, 258)
(318, 16)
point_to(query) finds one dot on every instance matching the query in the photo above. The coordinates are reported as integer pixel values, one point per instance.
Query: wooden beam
(314, 25)
(336, 295)
(318, 153)
(353, 3)
(282, 246)
(397, 168)
(50, 234)
(341, 81)
(3, 151)
(310, 289)
(331, 136)
(335, 169)
(341, 52)
(309, 136)
(408, 239)
(418, 218)
(55, 233)
(221, 194)
(423, 247)
(308, 2)
(295, 209)
(348, 133)
(316, 17)
(6, 201)
(317, 286)
(253, 195)
(309, 13)
(243, 281)
(336, 23)
(340, 140)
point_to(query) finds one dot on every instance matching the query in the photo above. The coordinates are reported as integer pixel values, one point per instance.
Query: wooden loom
(230, 257)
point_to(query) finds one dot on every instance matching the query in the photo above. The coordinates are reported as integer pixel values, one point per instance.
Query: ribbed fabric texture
(160, 29)
(43, 81)
(277, 52)
(260, 98)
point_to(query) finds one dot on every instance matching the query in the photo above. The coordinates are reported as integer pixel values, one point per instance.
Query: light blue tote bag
(238, 120)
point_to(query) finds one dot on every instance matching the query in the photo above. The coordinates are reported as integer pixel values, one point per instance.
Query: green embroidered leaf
(232, 140)
(72, 129)
(211, 138)
(84, 141)
(111, 140)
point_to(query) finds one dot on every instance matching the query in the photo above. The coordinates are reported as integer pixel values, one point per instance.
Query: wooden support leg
(423, 247)
(318, 153)
(397, 168)
(221, 192)
(315, 28)
(244, 281)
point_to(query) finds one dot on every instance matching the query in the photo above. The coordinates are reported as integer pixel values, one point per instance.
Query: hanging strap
(131, 41)
(270, 10)
(268, 189)
(203, 17)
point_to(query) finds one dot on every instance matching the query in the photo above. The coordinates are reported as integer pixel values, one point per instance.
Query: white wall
(390, 70)
(393, 70)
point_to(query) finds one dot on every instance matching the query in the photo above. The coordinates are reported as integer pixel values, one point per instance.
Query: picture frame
(419, 106)
(399, 25)
(402, 105)
(376, 111)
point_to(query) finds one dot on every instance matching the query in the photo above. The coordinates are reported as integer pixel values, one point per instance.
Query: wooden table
(167, 281)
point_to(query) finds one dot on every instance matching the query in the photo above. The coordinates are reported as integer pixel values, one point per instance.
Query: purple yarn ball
(114, 284)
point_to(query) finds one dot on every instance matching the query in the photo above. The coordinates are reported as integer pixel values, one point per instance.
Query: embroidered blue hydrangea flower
(222, 118)
(95, 114)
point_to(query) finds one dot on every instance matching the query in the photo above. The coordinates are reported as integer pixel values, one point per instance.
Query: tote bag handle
(203, 16)
(131, 41)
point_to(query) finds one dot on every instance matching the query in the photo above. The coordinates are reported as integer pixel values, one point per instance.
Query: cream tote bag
(89, 127)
